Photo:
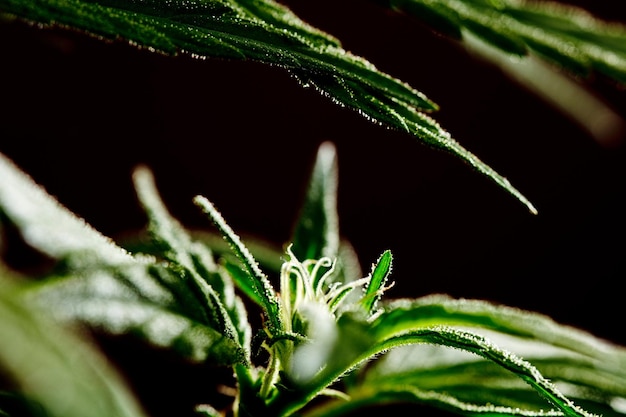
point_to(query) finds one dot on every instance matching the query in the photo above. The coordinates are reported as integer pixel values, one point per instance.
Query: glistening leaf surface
(471, 379)
(509, 384)
(266, 32)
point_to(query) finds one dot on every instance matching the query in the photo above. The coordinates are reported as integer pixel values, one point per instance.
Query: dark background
(78, 114)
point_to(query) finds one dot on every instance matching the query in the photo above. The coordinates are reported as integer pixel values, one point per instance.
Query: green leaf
(565, 35)
(438, 309)
(265, 32)
(378, 277)
(56, 368)
(256, 279)
(316, 232)
(113, 289)
(100, 299)
(213, 292)
(566, 354)
(49, 227)
(472, 380)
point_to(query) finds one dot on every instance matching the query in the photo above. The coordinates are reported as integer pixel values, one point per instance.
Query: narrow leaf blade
(316, 232)
(378, 277)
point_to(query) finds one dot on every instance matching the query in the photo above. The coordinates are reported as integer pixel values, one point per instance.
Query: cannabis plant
(302, 329)
(329, 342)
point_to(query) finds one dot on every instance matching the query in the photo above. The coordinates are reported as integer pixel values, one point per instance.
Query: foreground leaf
(484, 378)
(56, 368)
(266, 32)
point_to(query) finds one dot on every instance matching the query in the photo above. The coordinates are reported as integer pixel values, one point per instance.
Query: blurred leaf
(437, 309)
(471, 379)
(49, 227)
(106, 301)
(565, 35)
(56, 368)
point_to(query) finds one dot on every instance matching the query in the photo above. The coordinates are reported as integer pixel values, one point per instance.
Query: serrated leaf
(458, 324)
(245, 285)
(438, 309)
(472, 379)
(265, 32)
(213, 292)
(95, 267)
(256, 279)
(48, 226)
(58, 369)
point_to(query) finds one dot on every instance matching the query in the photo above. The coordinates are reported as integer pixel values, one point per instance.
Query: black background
(78, 114)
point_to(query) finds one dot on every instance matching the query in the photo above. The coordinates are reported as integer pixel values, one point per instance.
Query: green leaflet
(316, 232)
(49, 227)
(458, 379)
(565, 35)
(102, 301)
(115, 290)
(359, 342)
(380, 272)
(471, 379)
(256, 279)
(72, 378)
(438, 309)
(213, 292)
(483, 347)
(266, 32)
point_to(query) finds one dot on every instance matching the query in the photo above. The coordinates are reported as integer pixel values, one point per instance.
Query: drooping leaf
(56, 368)
(583, 367)
(266, 32)
(591, 369)
(471, 379)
